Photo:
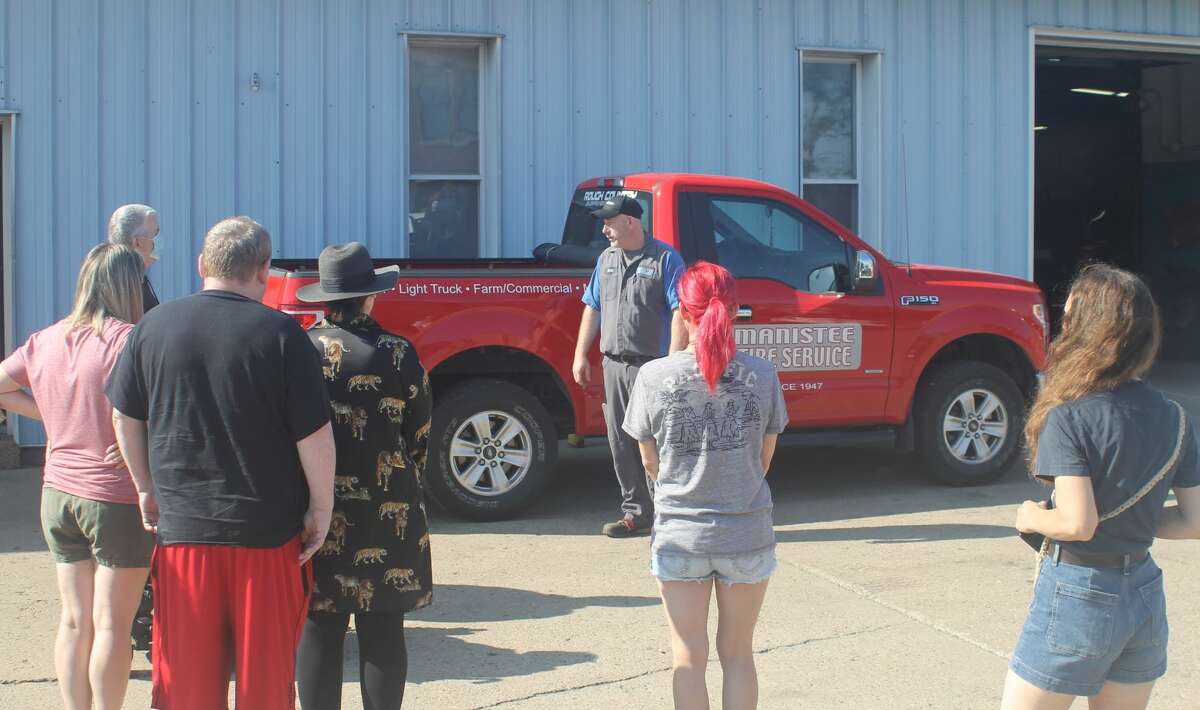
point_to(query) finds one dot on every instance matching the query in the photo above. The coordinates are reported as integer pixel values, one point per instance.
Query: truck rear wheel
(970, 419)
(492, 446)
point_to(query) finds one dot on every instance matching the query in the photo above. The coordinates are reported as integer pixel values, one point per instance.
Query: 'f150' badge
(919, 300)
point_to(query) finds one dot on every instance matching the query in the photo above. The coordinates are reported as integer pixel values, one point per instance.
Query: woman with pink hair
(707, 419)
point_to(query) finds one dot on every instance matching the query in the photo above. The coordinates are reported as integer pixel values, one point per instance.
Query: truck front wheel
(970, 419)
(492, 446)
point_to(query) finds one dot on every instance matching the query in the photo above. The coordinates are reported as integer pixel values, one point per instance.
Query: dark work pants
(637, 498)
(382, 660)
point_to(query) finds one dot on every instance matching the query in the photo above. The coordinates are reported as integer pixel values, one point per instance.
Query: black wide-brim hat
(347, 272)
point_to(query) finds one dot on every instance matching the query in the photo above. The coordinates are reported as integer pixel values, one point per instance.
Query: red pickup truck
(869, 352)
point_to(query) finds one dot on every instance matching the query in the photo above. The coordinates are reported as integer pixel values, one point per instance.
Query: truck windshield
(583, 230)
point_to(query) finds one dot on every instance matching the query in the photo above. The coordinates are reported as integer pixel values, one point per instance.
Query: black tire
(453, 415)
(943, 394)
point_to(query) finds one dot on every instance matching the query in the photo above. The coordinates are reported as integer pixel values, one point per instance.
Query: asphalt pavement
(892, 592)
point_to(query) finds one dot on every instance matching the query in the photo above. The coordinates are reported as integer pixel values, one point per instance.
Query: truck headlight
(1039, 312)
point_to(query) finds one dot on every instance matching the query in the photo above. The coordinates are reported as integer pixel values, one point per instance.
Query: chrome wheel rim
(975, 426)
(490, 453)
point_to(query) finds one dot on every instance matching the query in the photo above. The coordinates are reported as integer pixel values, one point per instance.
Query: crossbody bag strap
(1166, 469)
(1044, 552)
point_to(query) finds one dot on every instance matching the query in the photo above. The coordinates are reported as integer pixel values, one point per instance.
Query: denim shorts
(1088, 625)
(748, 568)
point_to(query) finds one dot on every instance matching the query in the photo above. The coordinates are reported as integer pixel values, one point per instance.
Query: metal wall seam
(235, 31)
(277, 169)
(1187, 17)
(363, 235)
(4, 42)
(1131, 16)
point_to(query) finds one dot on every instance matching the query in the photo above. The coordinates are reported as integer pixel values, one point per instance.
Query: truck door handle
(745, 313)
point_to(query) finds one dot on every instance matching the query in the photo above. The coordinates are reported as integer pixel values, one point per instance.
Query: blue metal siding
(778, 139)
(151, 100)
(550, 89)
(517, 130)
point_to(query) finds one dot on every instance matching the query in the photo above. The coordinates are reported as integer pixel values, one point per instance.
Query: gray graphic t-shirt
(711, 497)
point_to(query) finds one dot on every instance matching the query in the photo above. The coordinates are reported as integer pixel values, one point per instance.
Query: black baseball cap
(621, 204)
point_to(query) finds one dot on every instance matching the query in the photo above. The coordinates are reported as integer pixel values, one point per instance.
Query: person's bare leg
(1019, 694)
(1122, 696)
(118, 591)
(686, 604)
(73, 645)
(738, 606)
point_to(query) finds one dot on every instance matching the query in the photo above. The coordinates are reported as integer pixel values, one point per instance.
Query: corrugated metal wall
(150, 101)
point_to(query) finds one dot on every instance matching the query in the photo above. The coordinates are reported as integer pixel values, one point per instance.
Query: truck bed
(308, 267)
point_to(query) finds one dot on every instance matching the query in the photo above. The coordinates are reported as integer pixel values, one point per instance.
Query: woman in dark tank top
(1111, 447)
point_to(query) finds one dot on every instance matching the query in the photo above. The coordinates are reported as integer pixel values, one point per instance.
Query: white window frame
(488, 121)
(868, 134)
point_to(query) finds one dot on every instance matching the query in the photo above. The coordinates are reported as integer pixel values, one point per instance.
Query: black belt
(1093, 559)
(630, 359)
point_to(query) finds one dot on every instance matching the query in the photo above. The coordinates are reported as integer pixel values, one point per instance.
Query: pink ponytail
(707, 294)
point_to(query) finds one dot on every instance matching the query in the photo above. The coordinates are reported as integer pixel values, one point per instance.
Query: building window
(830, 136)
(445, 178)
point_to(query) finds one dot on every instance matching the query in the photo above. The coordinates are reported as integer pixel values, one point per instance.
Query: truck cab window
(583, 230)
(764, 239)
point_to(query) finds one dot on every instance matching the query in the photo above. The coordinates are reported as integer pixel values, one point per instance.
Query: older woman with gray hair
(136, 226)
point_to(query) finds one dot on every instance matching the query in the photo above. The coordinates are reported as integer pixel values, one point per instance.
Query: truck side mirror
(865, 276)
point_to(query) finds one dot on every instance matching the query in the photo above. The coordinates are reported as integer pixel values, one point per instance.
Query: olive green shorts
(79, 529)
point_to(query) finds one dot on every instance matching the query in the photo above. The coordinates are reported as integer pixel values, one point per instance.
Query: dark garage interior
(1117, 177)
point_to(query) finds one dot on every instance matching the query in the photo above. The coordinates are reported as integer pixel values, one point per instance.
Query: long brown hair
(109, 286)
(1110, 335)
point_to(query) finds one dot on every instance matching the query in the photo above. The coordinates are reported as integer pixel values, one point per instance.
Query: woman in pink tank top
(89, 514)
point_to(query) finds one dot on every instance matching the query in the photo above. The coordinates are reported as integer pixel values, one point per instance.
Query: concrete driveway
(892, 592)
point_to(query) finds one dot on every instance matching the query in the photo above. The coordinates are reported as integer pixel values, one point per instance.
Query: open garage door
(1117, 176)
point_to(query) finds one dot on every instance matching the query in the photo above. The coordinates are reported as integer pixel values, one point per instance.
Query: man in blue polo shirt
(631, 302)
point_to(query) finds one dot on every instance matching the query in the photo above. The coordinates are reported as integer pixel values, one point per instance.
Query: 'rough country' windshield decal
(801, 348)
(595, 198)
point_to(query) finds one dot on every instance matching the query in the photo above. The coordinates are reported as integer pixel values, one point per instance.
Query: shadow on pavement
(476, 661)
(809, 485)
(473, 604)
(20, 511)
(893, 534)
(443, 653)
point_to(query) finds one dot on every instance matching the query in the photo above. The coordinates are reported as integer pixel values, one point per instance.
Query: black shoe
(625, 527)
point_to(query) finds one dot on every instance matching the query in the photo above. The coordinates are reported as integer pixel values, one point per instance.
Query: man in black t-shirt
(223, 420)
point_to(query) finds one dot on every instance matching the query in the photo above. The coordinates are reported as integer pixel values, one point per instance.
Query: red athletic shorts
(219, 608)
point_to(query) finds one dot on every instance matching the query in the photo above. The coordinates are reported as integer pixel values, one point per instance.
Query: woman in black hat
(375, 562)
